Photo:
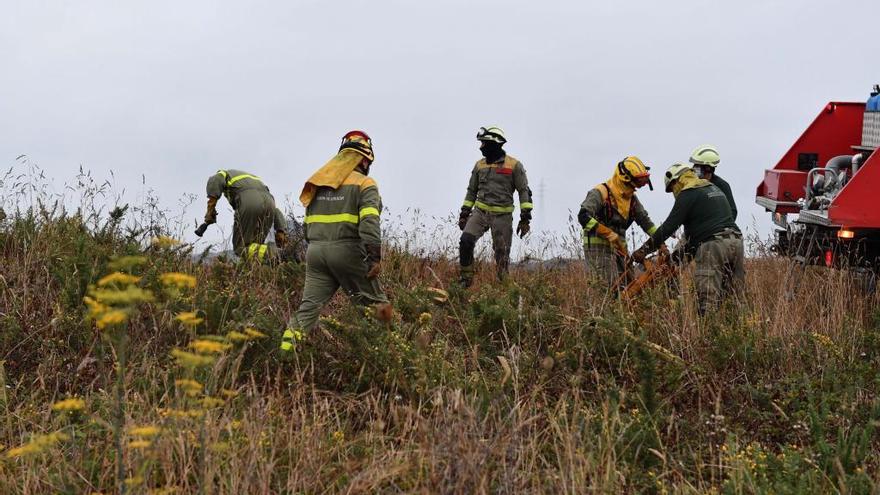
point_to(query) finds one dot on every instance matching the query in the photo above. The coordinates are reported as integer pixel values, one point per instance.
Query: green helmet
(705, 155)
(673, 173)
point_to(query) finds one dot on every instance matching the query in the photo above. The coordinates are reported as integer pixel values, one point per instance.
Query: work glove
(463, 217)
(639, 255)
(374, 260)
(522, 228)
(211, 212)
(280, 239)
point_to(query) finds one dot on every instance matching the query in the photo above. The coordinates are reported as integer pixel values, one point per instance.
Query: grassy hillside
(541, 384)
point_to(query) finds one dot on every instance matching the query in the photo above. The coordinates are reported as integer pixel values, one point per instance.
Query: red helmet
(359, 142)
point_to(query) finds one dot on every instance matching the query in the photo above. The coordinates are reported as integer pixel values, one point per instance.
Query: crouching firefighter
(711, 236)
(488, 204)
(344, 237)
(255, 214)
(607, 212)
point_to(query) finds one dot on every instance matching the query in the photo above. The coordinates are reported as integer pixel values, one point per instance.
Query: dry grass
(539, 385)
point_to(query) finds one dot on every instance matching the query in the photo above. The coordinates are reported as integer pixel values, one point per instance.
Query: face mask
(491, 151)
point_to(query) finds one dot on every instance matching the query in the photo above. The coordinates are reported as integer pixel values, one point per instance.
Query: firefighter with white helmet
(488, 204)
(705, 160)
(607, 212)
(710, 235)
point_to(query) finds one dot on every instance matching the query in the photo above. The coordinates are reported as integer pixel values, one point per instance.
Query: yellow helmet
(359, 142)
(492, 133)
(673, 173)
(632, 170)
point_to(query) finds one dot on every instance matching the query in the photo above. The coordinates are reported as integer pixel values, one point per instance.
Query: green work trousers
(501, 225)
(254, 217)
(719, 270)
(329, 266)
(605, 265)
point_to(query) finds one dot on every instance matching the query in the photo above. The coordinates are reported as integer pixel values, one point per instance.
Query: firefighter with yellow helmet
(607, 212)
(255, 213)
(488, 204)
(344, 235)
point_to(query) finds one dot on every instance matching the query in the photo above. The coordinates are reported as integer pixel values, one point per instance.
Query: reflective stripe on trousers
(257, 251)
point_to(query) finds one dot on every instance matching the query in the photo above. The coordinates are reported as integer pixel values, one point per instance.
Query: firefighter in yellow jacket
(488, 204)
(255, 213)
(605, 215)
(345, 239)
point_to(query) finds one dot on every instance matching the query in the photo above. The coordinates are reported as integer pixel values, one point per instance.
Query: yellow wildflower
(139, 444)
(237, 336)
(110, 318)
(134, 481)
(95, 308)
(338, 436)
(37, 445)
(229, 394)
(211, 402)
(163, 491)
(126, 262)
(181, 413)
(131, 295)
(177, 279)
(188, 318)
(255, 334)
(203, 346)
(71, 404)
(191, 360)
(191, 387)
(425, 319)
(118, 278)
(219, 446)
(145, 431)
(164, 242)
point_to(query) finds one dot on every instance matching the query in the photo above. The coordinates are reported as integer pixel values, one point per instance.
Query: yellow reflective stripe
(337, 218)
(224, 173)
(262, 253)
(240, 177)
(252, 249)
(369, 211)
(652, 230)
(591, 225)
(468, 204)
(287, 340)
(494, 209)
(525, 206)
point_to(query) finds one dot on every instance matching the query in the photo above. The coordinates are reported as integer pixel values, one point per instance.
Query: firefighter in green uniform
(705, 160)
(605, 215)
(488, 204)
(255, 213)
(345, 240)
(711, 236)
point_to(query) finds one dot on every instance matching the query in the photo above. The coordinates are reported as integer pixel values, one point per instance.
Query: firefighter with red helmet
(607, 212)
(345, 239)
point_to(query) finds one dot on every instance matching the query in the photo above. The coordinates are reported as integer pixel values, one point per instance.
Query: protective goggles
(486, 135)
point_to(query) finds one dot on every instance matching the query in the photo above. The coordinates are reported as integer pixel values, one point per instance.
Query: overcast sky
(176, 90)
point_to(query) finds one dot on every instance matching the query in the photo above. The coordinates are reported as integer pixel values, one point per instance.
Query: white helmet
(492, 133)
(705, 155)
